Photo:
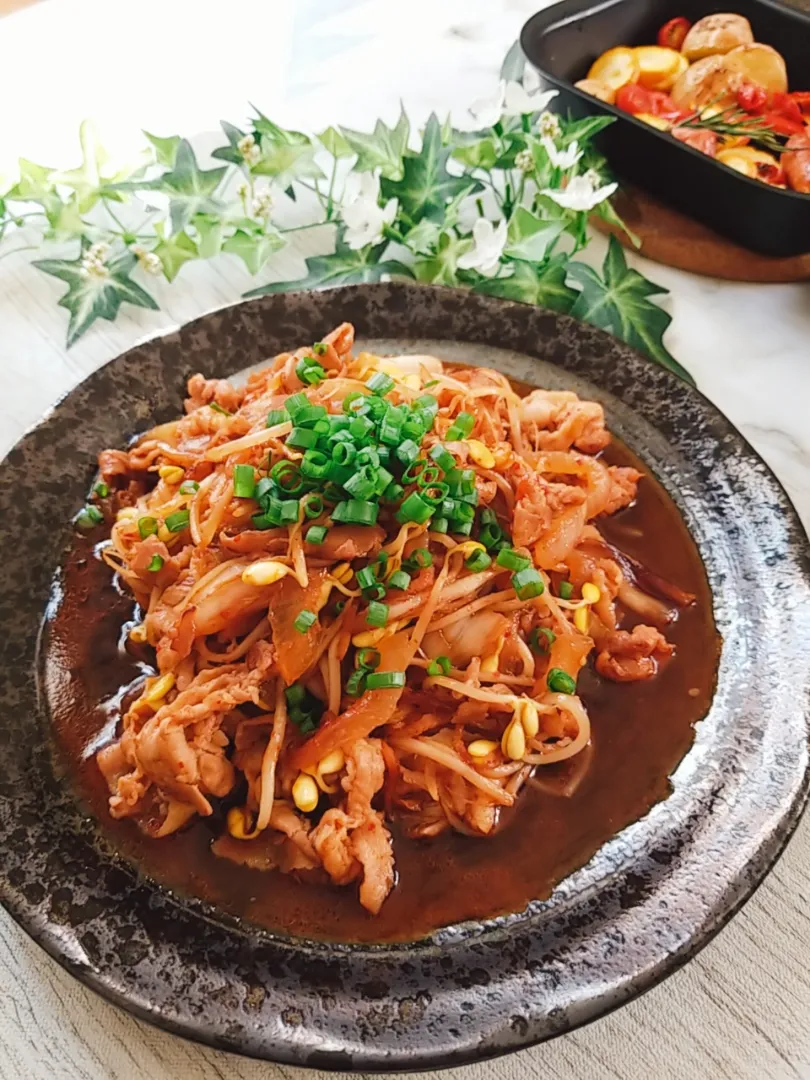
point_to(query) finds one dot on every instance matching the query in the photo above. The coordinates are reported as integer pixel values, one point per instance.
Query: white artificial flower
(531, 79)
(548, 125)
(365, 219)
(488, 244)
(249, 150)
(580, 194)
(593, 177)
(517, 100)
(488, 111)
(94, 260)
(262, 202)
(524, 160)
(561, 159)
(147, 260)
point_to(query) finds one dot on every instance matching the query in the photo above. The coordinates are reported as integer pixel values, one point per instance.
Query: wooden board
(669, 237)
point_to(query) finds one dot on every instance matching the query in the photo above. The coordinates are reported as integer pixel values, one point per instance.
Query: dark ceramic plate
(644, 904)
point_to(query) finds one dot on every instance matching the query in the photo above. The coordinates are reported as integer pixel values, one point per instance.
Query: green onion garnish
(101, 489)
(294, 403)
(295, 694)
(512, 560)
(399, 580)
(188, 487)
(177, 521)
(380, 383)
(155, 563)
(304, 620)
(302, 439)
(414, 508)
(527, 583)
(309, 371)
(366, 578)
(385, 680)
(89, 517)
(319, 348)
(356, 512)
(439, 525)
(566, 590)
(377, 614)
(289, 512)
(244, 481)
(316, 534)
(419, 559)
(218, 408)
(277, 416)
(147, 526)
(461, 427)
(369, 659)
(355, 683)
(363, 483)
(440, 666)
(479, 560)
(313, 505)
(541, 632)
(443, 458)
(560, 681)
(407, 451)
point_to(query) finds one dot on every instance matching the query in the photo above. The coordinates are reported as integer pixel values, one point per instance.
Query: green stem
(16, 251)
(120, 224)
(390, 233)
(329, 203)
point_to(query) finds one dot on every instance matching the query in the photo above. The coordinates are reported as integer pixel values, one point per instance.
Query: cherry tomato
(752, 97)
(672, 33)
(635, 99)
(702, 140)
(783, 125)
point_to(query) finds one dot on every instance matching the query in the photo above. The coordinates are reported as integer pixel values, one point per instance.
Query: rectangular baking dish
(562, 42)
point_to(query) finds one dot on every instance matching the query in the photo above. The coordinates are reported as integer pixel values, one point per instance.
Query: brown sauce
(640, 733)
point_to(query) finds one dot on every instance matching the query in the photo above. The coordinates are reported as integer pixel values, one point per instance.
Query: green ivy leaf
(90, 297)
(230, 152)
(174, 251)
(441, 268)
(344, 267)
(64, 219)
(209, 234)
(618, 302)
(583, 130)
(35, 182)
(286, 162)
(608, 213)
(263, 125)
(529, 237)
(534, 284)
(253, 248)
(426, 186)
(165, 149)
(422, 238)
(334, 142)
(383, 149)
(478, 155)
(190, 188)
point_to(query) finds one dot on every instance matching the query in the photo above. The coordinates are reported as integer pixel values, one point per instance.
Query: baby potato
(707, 80)
(759, 64)
(659, 67)
(597, 89)
(615, 68)
(716, 34)
(748, 160)
(654, 121)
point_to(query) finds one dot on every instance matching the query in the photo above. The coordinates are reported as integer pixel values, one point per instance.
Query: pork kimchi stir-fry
(371, 585)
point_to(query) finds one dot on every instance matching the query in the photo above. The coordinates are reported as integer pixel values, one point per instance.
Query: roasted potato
(759, 64)
(615, 68)
(597, 89)
(750, 161)
(659, 68)
(707, 80)
(716, 34)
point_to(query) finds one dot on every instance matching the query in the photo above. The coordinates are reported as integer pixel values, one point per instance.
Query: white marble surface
(740, 1009)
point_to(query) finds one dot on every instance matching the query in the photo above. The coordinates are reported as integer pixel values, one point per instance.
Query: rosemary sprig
(738, 124)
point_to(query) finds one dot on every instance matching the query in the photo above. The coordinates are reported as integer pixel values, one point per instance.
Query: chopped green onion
(295, 402)
(188, 487)
(218, 408)
(309, 371)
(377, 614)
(419, 559)
(512, 560)
(320, 348)
(490, 535)
(147, 526)
(414, 471)
(566, 590)
(356, 512)
(560, 681)
(343, 453)
(316, 534)
(463, 513)
(361, 427)
(414, 427)
(353, 400)
(355, 684)
(443, 458)
(461, 528)
(289, 512)
(394, 492)
(439, 525)
(177, 521)
(315, 464)
(368, 455)
(385, 680)
(407, 451)
(244, 481)
(440, 666)
(548, 636)
(433, 382)
(277, 416)
(479, 560)
(309, 415)
(488, 517)
(376, 591)
(302, 438)
(155, 563)
(380, 383)
(527, 583)
(461, 481)
(366, 578)
(89, 517)
(101, 489)
(313, 505)
(369, 659)
(461, 427)
(414, 508)
(384, 479)
(304, 620)
(363, 483)
(399, 580)
(264, 521)
(428, 477)
(288, 477)
(427, 402)
(435, 494)
(390, 431)
(295, 695)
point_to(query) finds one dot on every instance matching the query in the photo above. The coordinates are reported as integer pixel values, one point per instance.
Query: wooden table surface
(740, 1009)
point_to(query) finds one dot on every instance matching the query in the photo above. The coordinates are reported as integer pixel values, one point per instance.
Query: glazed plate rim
(478, 990)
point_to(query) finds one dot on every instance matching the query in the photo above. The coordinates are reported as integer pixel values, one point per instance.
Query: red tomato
(802, 99)
(672, 33)
(635, 99)
(752, 97)
(702, 140)
(783, 125)
(786, 106)
(662, 105)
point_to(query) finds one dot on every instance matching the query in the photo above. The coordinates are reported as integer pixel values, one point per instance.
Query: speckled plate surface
(644, 904)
